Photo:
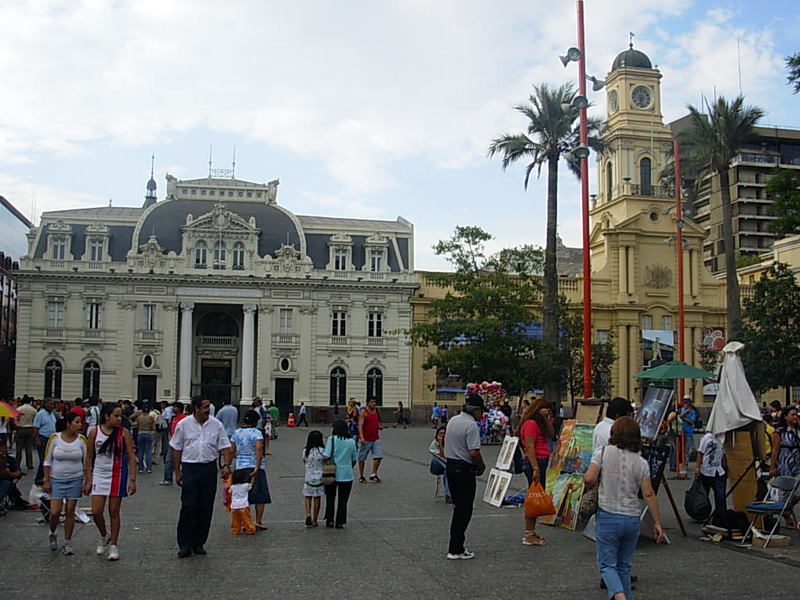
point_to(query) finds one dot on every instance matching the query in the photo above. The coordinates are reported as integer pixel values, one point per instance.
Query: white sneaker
(102, 546)
(465, 555)
(66, 549)
(113, 552)
(53, 537)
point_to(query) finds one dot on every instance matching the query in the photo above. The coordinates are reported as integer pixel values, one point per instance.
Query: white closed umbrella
(735, 405)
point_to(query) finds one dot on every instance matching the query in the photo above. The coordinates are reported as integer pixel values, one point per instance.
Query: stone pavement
(393, 547)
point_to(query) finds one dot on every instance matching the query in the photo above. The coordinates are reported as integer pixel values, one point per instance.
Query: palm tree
(552, 132)
(712, 142)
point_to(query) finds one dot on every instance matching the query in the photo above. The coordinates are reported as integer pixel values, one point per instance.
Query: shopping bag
(537, 502)
(696, 501)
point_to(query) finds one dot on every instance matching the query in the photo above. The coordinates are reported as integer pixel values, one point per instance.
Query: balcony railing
(149, 335)
(375, 341)
(217, 340)
(339, 340)
(285, 339)
(55, 332)
(92, 333)
(655, 191)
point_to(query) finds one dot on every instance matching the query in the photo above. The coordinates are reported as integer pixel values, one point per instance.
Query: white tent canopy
(735, 405)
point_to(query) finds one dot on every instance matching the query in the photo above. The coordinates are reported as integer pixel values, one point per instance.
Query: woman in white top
(617, 525)
(63, 476)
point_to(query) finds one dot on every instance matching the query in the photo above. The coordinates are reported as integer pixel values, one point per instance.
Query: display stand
(656, 457)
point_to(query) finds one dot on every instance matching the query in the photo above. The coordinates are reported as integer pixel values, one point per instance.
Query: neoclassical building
(216, 290)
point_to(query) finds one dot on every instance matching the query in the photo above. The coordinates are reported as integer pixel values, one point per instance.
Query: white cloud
(32, 198)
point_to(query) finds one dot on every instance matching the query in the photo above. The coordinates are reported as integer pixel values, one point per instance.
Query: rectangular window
(59, 249)
(602, 336)
(339, 323)
(647, 322)
(55, 314)
(150, 317)
(96, 250)
(286, 320)
(376, 261)
(375, 324)
(340, 259)
(666, 322)
(93, 315)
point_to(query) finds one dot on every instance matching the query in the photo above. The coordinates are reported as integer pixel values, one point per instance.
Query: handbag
(696, 501)
(538, 502)
(329, 468)
(589, 501)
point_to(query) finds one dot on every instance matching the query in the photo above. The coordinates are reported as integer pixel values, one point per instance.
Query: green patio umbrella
(675, 369)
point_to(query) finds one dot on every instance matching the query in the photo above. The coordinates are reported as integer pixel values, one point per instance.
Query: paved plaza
(393, 547)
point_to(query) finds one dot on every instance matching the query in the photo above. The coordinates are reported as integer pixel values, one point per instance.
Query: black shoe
(184, 553)
(340, 526)
(199, 550)
(329, 524)
(308, 522)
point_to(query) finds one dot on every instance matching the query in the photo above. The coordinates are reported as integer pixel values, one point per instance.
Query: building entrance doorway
(215, 380)
(284, 396)
(146, 390)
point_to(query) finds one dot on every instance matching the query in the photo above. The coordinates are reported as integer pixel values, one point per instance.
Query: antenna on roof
(233, 165)
(152, 164)
(739, 58)
(210, 155)
(109, 202)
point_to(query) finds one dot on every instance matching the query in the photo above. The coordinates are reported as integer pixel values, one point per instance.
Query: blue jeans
(168, 468)
(439, 467)
(145, 451)
(616, 537)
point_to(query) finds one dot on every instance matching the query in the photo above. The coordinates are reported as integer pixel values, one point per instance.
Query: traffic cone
(290, 422)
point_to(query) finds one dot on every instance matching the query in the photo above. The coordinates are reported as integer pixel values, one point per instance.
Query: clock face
(613, 101)
(641, 96)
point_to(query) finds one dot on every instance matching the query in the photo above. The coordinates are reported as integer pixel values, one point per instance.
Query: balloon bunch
(491, 392)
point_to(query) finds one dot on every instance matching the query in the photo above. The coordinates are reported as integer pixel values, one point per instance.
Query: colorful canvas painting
(573, 491)
(556, 491)
(579, 453)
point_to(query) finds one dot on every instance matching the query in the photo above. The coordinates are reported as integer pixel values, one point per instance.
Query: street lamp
(582, 153)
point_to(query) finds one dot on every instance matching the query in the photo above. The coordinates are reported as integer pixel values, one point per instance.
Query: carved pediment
(220, 220)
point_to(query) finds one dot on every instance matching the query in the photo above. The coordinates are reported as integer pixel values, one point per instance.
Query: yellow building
(633, 253)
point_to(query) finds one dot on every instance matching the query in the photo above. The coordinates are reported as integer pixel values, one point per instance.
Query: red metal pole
(587, 273)
(679, 242)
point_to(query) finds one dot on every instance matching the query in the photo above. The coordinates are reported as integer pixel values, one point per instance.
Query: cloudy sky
(372, 109)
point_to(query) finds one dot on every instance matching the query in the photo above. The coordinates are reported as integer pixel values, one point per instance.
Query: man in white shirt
(618, 407)
(710, 468)
(228, 415)
(196, 444)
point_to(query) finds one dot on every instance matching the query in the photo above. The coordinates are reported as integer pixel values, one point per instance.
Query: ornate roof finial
(631, 35)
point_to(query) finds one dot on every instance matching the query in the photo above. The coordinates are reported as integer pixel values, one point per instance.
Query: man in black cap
(462, 448)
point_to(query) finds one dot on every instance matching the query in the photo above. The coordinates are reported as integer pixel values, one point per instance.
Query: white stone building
(218, 291)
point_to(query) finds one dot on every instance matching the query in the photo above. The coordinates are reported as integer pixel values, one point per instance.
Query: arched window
(645, 177)
(200, 255)
(238, 255)
(338, 386)
(52, 379)
(375, 385)
(91, 380)
(219, 255)
(609, 181)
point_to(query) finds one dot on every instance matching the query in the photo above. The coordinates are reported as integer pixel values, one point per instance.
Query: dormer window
(200, 255)
(376, 261)
(58, 248)
(219, 255)
(96, 250)
(238, 256)
(340, 259)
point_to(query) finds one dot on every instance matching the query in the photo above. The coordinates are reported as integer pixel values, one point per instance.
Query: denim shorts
(377, 450)
(66, 489)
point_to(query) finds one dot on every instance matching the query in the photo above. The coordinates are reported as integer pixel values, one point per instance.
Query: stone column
(248, 349)
(185, 360)
(623, 379)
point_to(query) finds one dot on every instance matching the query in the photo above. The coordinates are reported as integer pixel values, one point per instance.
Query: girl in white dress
(313, 490)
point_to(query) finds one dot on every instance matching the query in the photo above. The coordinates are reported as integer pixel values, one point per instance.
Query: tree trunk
(734, 309)
(550, 299)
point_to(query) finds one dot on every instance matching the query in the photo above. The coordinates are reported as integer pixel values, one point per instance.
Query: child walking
(241, 484)
(313, 490)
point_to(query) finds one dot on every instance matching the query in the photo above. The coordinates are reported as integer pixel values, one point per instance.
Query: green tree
(784, 191)
(604, 355)
(711, 143)
(551, 133)
(479, 326)
(770, 330)
(793, 64)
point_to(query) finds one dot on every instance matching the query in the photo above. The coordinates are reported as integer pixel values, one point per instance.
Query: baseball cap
(474, 400)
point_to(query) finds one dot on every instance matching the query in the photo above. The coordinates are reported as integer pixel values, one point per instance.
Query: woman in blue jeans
(624, 473)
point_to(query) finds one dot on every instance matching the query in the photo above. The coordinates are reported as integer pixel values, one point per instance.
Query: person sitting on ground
(9, 471)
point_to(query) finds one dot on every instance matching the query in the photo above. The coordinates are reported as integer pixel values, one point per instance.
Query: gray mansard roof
(131, 227)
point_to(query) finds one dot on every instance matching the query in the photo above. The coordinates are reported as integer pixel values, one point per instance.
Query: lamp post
(582, 153)
(679, 224)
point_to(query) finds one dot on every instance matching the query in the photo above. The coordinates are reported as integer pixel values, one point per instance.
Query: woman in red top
(535, 431)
